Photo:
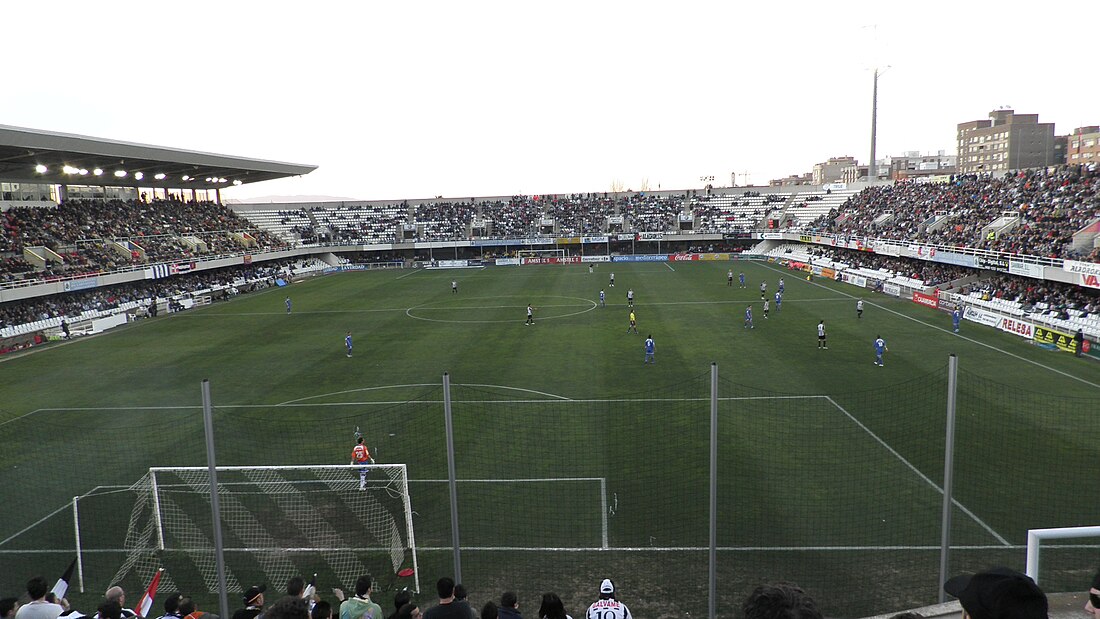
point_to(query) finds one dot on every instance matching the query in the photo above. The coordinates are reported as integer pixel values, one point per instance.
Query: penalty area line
(924, 477)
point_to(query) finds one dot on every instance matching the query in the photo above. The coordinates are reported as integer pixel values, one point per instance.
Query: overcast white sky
(417, 99)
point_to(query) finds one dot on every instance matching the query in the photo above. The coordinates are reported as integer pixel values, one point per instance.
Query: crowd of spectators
(1030, 293)
(931, 273)
(87, 236)
(1049, 205)
(71, 304)
(996, 593)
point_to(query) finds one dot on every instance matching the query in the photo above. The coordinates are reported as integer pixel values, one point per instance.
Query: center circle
(499, 305)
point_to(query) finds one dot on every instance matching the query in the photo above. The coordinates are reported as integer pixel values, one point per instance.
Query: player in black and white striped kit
(607, 607)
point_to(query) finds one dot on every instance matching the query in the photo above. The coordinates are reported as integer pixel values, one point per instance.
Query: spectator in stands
(321, 610)
(999, 593)
(38, 607)
(289, 607)
(360, 605)
(779, 601)
(607, 607)
(509, 606)
(446, 609)
(490, 611)
(253, 600)
(552, 607)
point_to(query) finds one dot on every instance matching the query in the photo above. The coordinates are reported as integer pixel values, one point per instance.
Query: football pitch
(576, 460)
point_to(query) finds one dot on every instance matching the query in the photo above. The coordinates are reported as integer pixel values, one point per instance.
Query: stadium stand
(1041, 212)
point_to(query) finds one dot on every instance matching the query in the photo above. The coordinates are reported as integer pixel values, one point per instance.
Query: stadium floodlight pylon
(285, 520)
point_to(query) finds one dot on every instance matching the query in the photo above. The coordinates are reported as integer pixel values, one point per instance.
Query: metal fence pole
(215, 507)
(451, 478)
(948, 472)
(712, 576)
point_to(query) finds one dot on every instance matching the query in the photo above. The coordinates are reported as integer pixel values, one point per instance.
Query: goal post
(541, 253)
(283, 521)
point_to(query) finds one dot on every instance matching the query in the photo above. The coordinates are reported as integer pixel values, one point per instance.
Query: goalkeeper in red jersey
(361, 455)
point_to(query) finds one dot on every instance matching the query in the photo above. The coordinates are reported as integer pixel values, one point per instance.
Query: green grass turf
(806, 492)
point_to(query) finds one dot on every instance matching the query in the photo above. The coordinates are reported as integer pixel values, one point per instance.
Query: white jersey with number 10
(608, 609)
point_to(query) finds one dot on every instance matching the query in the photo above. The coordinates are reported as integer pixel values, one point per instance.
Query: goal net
(540, 253)
(277, 522)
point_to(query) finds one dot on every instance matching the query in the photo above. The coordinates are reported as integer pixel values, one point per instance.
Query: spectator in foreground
(489, 611)
(999, 593)
(408, 611)
(779, 601)
(172, 607)
(321, 610)
(400, 599)
(253, 599)
(291, 608)
(552, 607)
(446, 609)
(8, 608)
(38, 607)
(1092, 606)
(607, 607)
(116, 594)
(461, 598)
(360, 606)
(509, 606)
(109, 609)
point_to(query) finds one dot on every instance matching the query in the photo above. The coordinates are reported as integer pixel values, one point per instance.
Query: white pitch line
(909, 464)
(960, 336)
(414, 271)
(751, 549)
(669, 267)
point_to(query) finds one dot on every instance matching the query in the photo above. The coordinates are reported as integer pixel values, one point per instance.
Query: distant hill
(288, 199)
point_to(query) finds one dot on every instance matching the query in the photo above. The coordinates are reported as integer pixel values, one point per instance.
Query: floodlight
(97, 172)
(160, 176)
(68, 169)
(120, 173)
(83, 171)
(237, 182)
(139, 175)
(41, 169)
(186, 177)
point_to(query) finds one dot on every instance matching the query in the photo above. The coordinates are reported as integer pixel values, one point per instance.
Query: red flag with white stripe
(145, 604)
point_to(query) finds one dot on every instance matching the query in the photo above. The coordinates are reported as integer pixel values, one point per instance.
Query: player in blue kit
(956, 318)
(347, 342)
(778, 302)
(780, 284)
(741, 279)
(649, 349)
(880, 348)
(748, 318)
(602, 299)
(288, 305)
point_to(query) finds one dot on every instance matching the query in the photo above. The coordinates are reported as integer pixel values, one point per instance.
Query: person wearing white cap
(607, 607)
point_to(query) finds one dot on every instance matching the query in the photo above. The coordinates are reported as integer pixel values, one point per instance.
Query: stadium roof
(65, 156)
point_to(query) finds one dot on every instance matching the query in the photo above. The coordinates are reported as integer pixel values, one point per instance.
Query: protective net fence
(841, 493)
